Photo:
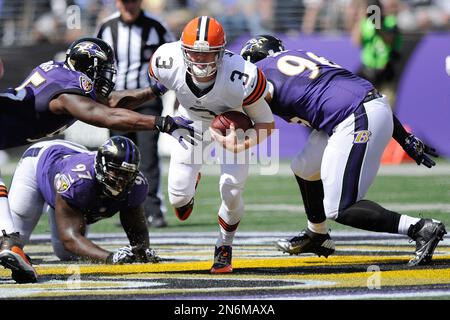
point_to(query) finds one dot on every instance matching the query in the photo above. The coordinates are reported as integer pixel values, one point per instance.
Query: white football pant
(348, 161)
(185, 164)
(26, 201)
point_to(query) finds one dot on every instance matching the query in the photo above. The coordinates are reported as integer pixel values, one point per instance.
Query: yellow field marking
(283, 262)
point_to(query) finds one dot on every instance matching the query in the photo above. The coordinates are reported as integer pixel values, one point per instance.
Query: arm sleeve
(157, 88)
(162, 70)
(400, 133)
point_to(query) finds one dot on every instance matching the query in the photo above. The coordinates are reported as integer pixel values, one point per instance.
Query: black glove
(179, 128)
(418, 150)
(121, 256)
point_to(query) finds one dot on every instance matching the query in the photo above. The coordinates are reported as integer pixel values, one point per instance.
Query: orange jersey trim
(259, 90)
(150, 71)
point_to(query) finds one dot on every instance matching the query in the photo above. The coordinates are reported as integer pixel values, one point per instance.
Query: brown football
(222, 121)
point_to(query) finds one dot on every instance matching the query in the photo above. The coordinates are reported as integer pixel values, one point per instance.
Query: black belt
(371, 95)
(32, 152)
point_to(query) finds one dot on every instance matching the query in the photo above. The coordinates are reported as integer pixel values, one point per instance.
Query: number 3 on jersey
(293, 65)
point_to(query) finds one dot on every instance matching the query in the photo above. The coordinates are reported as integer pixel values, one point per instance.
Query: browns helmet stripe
(199, 21)
(207, 29)
(202, 29)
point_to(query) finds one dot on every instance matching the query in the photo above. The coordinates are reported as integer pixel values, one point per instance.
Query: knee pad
(331, 211)
(333, 215)
(309, 171)
(231, 196)
(179, 200)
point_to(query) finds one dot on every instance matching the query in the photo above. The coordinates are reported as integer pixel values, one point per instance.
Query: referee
(135, 35)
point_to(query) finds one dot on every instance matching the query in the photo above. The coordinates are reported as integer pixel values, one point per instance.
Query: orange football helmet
(203, 44)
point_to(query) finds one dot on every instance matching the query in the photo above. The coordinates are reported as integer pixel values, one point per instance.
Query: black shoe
(427, 235)
(222, 260)
(307, 242)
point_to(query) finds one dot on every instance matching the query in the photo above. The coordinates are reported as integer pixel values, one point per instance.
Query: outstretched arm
(71, 229)
(97, 114)
(413, 146)
(130, 99)
(133, 98)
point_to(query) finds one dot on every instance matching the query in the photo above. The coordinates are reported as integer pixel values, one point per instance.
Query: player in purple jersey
(55, 94)
(52, 97)
(352, 124)
(78, 188)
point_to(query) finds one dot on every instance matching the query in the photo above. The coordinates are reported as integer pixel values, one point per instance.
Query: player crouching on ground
(77, 188)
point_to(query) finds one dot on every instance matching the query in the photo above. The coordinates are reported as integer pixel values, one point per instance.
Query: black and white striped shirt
(133, 45)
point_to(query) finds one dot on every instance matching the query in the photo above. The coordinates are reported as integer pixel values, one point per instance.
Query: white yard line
(416, 207)
(363, 296)
(245, 238)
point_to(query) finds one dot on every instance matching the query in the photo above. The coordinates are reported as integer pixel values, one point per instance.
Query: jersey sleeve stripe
(150, 71)
(255, 91)
(260, 88)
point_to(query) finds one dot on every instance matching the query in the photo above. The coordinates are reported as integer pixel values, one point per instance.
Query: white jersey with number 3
(238, 83)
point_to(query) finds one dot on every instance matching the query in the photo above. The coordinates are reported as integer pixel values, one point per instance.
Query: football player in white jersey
(208, 80)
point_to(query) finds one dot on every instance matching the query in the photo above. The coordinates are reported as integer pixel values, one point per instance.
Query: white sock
(405, 223)
(318, 227)
(6, 222)
(225, 238)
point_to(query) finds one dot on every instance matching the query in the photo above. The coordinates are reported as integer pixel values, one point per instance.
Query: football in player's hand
(222, 121)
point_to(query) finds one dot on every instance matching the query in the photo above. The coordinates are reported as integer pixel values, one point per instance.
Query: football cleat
(427, 234)
(185, 211)
(307, 242)
(222, 260)
(12, 257)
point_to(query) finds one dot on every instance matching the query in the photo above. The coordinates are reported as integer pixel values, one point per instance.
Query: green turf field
(272, 202)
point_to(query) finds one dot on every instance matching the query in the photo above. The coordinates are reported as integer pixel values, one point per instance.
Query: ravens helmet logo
(91, 49)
